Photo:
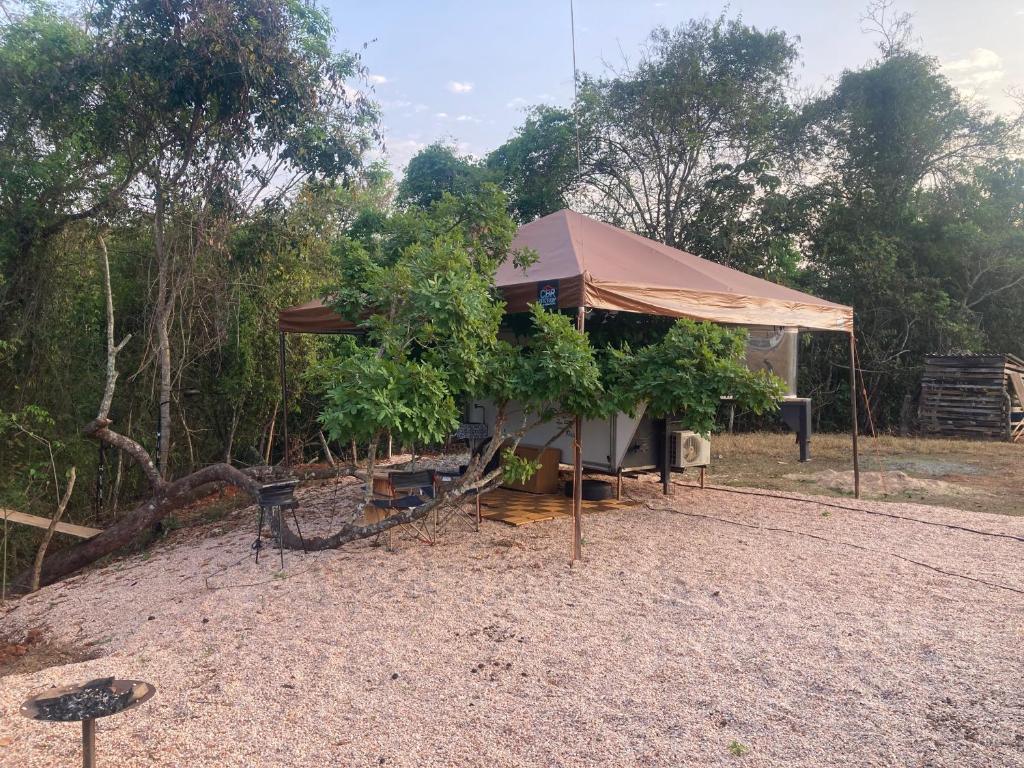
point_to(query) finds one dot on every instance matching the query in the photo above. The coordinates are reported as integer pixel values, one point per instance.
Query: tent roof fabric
(584, 262)
(312, 317)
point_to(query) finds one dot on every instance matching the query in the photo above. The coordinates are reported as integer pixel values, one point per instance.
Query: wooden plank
(965, 395)
(81, 531)
(1017, 384)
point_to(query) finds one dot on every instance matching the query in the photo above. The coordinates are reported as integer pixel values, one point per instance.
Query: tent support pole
(853, 412)
(577, 470)
(666, 468)
(284, 399)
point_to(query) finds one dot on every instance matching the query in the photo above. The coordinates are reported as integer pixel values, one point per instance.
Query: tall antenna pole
(575, 90)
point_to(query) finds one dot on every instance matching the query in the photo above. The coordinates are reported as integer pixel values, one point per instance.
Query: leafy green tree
(223, 102)
(892, 235)
(685, 375)
(538, 167)
(976, 242)
(422, 292)
(696, 145)
(691, 146)
(436, 170)
(60, 158)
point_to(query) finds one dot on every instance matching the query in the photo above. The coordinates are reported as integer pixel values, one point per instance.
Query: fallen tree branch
(140, 520)
(474, 480)
(99, 429)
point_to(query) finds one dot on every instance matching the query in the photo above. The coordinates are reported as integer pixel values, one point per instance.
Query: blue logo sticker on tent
(547, 294)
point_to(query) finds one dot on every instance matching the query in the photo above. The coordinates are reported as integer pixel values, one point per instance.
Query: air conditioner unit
(688, 449)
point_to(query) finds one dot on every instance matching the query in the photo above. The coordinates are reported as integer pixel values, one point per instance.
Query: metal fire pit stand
(135, 692)
(277, 496)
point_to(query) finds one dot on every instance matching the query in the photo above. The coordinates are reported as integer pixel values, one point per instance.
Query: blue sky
(452, 69)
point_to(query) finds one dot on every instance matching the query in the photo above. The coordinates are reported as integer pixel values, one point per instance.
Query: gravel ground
(798, 634)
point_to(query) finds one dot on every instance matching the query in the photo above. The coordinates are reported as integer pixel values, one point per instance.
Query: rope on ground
(835, 505)
(861, 547)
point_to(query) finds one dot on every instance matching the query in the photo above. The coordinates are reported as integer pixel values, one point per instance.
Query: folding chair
(405, 490)
(455, 511)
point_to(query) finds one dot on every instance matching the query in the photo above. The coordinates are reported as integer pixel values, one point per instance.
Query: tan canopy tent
(586, 264)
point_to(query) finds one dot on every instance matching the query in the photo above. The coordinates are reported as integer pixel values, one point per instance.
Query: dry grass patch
(964, 474)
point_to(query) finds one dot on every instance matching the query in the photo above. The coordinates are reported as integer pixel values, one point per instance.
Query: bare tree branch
(62, 505)
(112, 348)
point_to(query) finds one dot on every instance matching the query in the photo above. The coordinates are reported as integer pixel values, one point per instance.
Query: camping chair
(464, 511)
(405, 490)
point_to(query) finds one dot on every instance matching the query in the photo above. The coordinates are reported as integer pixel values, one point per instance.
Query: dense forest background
(217, 151)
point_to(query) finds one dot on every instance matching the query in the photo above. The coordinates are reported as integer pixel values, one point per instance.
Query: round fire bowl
(97, 698)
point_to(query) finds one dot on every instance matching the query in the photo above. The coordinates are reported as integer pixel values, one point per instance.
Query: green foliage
(57, 156)
(890, 192)
(226, 109)
(705, 119)
(686, 374)
(898, 122)
(369, 394)
(422, 291)
(420, 287)
(517, 469)
(437, 170)
(247, 77)
(738, 749)
(691, 146)
(537, 167)
(916, 227)
(552, 370)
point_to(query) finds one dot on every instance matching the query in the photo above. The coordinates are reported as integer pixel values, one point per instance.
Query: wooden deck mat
(519, 508)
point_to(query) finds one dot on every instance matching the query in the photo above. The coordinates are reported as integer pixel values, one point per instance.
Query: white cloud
(420, 108)
(467, 119)
(517, 103)
(979, 58)
(441, 115)
(458, 87)
(378, 79)
(980, 71)
(401, 151)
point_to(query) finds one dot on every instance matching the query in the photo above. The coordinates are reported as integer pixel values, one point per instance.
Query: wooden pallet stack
(970, 396)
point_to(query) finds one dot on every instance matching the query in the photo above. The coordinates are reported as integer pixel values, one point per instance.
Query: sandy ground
(680, 641)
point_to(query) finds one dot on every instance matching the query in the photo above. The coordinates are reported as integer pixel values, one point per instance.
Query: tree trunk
(161, 321)
(62, 505)
(269, 447)
(326, 448)
(137, 522)
(230, 447)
